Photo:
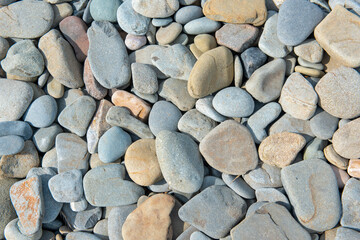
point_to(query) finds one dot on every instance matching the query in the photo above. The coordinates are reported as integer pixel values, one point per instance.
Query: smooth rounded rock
(131, 21)
(350, 201)
(61, 11)
(81, 235)
(354, 168)
(144, 78)
(104, 10)
(4, 47)
(116, 220)
(92, 86)
(323, 125)
(161, 22)
(204, 105)
(309, 50)
(167, 34)
(41, 112)
(163, 116)
(201, 25)
(346, 140)
(187, 14)
(82, 220)
(264, 176)
(155, 8)
(134, 42)
(44, 138)
(334, 158)
(205, 42)
(18, 128)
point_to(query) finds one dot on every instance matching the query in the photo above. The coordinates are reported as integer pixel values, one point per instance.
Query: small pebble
(163, 116)
(252, 58)
(134, 42)
(201, 25)
(187, 14)
(41, 112)
(204, 105)
(309, 50)
(168, 33)
(238, 185)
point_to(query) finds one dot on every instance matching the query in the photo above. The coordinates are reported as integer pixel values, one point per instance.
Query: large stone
(26, 19)
(251, 11)
(236, 158)
(313, 192)
(346, 140)
(156, 8)
(350, 204)
(110, 68)
(338, 34)
(11, 144)
(213, 71)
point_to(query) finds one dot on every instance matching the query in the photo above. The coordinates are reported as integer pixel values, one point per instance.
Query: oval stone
(164, 116)
(42, 112)
(346, 140)
(131, 21)
(156, 8)
(11, 144)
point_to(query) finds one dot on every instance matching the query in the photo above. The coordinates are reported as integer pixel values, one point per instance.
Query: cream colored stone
(335, 158)
(346, 140)
(205, 42)
(169, 33)
(197, 53)
(61, 11)
(311, 72)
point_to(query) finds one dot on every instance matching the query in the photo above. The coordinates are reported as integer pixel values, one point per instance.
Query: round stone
(134, 42)
(310, 50)
(323, 125)
(167, 34)
(201, 25)
(67, 186)
(44, 138)
(156, 8)
(164, 116)
(187, 14)
(18, 128)
(42, 112)
(104, 10)
(131, 21)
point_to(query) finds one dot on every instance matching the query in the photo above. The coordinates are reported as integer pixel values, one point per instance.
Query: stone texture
(92, 86)
(311, 72)
(144, 78)
(130, 21)
(188, 13)
(167, 34)
(134, 42)
(41, 112)
(323, 125)
(156, 8)
(116, 220)
(201, 25)
(18, 128)
(163, 116)
(237, 158)
(346, 140)
(61, 11)
(204, 105)
(104, 10)
(205, 42)
(238, 185)
(12, 231)
(309, 50)
(350, 204)
(272, 195)
(54, 88)
(252, 58)
(264, 175)
(81, 235)
(44, 138)
(67, 186)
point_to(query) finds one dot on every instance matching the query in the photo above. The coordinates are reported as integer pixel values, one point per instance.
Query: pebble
(12, 231)
(271, 221)
(350, 201)
(258, 122)
(298, 98)
(213, 205)
(201, 25)
(144, 78)
(309, 71)
(175, 91)
(263, 176)
(50, 160)
(238, 71)
(71, 153)
(187, 14)
(18, 128)
(4, 47)
(76, 117)
(156, 8)
(314, 149)
(354, 168)
(338, 92)
(310, 50)
(28, 193)
(110, 70)
(238, 185)
(252, 58)
(323, 125)
(17, 95)
(272, 195)
(26, 19)
(340, 26)
(164, 116)
(113, 144)
(346, 233)
(97, 190)
(134, 42)
(204, 105)
(116, 220)
(92, 86)
(251, 11)
(23, 59)
(67, 186)
(82, 220)
(70, 96)
(161, 22)
(281, 149)
(81, 235)
(167, 34)
(297, 20)
(41, 112)
(19, 164)
(7, 211)
(141, 162)
(80, 205)
(151, 220)
(54, 88)
(237, 37)
(312, 190)
(130, 21)
(180, 161)
(101, 229)
(205, 42)
(210, 181)
(61, 11)
(346, 139)
(269, 42)
(199, 236)
(138, 108)
(304, 63)
(227, 158)
(60, 59)
(44, 138)
(341, 176)
(213, 71)
(104, 11)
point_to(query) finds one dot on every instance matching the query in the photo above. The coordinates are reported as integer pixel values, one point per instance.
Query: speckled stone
(134, 42)
(163, 116)
(7, 211)
(67, 186)
(81, 235)
(323, 125)
(310, 50)
(42, 112)
(130, 21)
(144, 78)
(272, 195)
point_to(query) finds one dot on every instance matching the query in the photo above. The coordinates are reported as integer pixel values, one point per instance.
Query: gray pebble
(69, 97)
(272, 195)
(290, 64)
(238, 185)
(210, 181)
(314, 149)
(350, 202)
(204, 105)
(101, 229)
(44, 138)
(201, 25)
(252, 58)
(187, 14)
(182, 39)
(161, 186)
(185, 235)
(253, 208)
(264, 175)
(12, 231)
(18, 128)
(152, 98)
(144, 78)
(11, 144)
(131, 21)
(180, 161)
(161, 22)
(82, 220)
(43, 78)
(182, 2)
(80, 205)
(323, 125)
(163, 116)
(238, 71)
(42, 112)
(87, 15)
(116, 220)
(343, 233)
(199, 236)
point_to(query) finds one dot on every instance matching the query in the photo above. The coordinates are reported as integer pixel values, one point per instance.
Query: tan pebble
(346, 140)
(169, 33)
(25, 79)
(205, 42)
(330, 63)
(341, 176)
(281, 149)
(354, 168)
(54, 88)
(58, 237)
(309, 71)
(96, 162)
(335, 158)
(197, 53)
(61, 11)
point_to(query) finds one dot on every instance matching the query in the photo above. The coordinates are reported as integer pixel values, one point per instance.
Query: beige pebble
(309, 71)
(197, 53)
(61, 11)
(346, 140)
(335, 158)
(169, 33)
(205, 42)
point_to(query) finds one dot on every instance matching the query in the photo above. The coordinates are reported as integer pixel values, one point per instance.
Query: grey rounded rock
(272, 195)
(310, 50)
(233, 102)
(238, 185)
(131, 21)
(11, 144)
(18, 128)
(199, 236)
(264, 175)
(161, 22)
(116, 220)
(350, 201)
(210, 181)
(12, 231)
(80, 205)
(187, 14)
(81, 235)
(82, 220)
(304, 63)
(201, 25)
(42, 112)
(204, 105)
(238, 71)
(144, 78)
(44, 138)
(323, 125)
(101, 229)
(104, 10)
(163, 116)
(252, 58)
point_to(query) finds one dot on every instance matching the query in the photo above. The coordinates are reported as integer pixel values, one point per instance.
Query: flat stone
(338, 27)
(309, 71)
(272, 195)
(338, 92)
(71, 152)
(253, 12)
(350, 204)
(297, 20)
(298, 98)
(26, 197)
(312, 190)
(7, 211)
(354, 168)
(121, 117)
(323, 125)
(180, 161)
(281, 149)
(82, 220)
(130, 21)
(237, 158)
(144, 78)
(104, 186)
(42, 112)
(316, 66)
(23, 59)
(161, 22)
(155, 8)
(213, 71)
(346, 140)
(134, 42)
(213, 205)
(151, 219)
(110, 70)
(141, 162)
(18, 128)
(175, 91)
(310, 50)
(19, 164)
(60, 59)
(237, 37)
(264, 175)
(61, 11)
(81, 235)
(15, 97)
(269, 42)
(252, 58)
(44, 138)
(233, 102)
(93, 87)
(28, 19)
(204, 105)
(187, 14)
(238, 185)
(201, 25)
(67, 186)
(116, 220)
(271, 221)
(76, 117)
(167, 34)
(101, 11)
(205, 42)
(163, 116)
(138, 108)
(74, 30)
(174, 61)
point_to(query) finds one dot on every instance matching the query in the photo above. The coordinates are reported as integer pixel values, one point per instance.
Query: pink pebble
(134, 42)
